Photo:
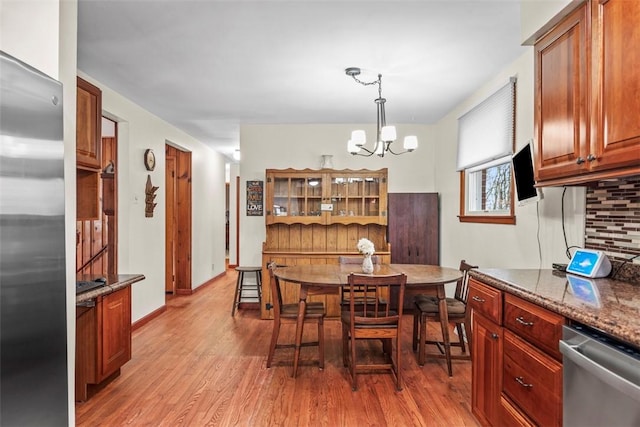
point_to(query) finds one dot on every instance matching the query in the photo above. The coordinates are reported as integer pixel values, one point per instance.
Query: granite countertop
(114, 283)
(609, 305)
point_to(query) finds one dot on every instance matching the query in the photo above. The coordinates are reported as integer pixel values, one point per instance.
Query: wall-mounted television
(522, 161)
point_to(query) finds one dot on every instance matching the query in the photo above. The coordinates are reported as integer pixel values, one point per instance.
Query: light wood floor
(195, 365)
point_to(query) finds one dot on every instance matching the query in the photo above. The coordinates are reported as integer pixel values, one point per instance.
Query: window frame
(481, 217)
(509, 218)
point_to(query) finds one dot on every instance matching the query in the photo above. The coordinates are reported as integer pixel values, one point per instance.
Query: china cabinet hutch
(314, 216)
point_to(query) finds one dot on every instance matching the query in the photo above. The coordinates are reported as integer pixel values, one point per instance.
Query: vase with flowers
(366, 248)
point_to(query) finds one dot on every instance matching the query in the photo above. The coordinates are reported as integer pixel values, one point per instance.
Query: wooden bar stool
(240, 285)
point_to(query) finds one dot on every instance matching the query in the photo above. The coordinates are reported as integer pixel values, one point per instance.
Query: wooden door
(561, 116)
(170, 226)
(181, 218)
(616, 84)
(88, 124)
(114, 321)
(486, 370)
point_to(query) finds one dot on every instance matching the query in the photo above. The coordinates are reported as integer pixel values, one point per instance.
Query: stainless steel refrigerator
(33, 328)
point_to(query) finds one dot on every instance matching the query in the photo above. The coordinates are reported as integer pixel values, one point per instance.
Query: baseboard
(210, 281)
(149, 317)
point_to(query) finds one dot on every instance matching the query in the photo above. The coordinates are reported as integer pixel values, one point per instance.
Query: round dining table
(328, 278)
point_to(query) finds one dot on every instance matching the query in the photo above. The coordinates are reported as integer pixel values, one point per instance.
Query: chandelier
(385, 135)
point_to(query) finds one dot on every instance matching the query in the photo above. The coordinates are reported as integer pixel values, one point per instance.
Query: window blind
(486, 132)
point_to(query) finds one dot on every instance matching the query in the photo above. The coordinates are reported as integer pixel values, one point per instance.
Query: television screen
(522, 162)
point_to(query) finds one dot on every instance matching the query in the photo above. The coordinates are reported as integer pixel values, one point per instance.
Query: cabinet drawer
(485, 300)
(510, 415)
(536, 324)
(532, 380)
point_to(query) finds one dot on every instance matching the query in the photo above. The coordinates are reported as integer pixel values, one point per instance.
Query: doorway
(97, 237)
(178, 221)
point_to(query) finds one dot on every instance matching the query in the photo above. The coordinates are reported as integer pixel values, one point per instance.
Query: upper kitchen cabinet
(88, 125)
(326, 197)
(586, 95)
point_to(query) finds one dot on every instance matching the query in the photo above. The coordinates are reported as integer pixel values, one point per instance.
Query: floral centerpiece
(367, 248)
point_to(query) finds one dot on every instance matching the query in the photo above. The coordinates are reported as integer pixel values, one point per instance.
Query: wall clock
(149, 159)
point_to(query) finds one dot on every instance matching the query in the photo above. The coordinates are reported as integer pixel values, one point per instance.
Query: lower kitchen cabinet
(516, 368)
(103, 340)
(486, 370)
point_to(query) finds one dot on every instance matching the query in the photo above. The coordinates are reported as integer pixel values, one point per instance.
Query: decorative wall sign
(254, 198)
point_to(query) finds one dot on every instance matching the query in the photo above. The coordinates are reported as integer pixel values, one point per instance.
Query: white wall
(536, 13)
(301, 146)
(496, 245)
(141, 240)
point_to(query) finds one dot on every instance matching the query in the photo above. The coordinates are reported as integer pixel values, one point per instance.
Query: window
(485, 143)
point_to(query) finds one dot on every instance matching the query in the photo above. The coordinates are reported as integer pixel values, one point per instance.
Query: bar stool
(240, 286)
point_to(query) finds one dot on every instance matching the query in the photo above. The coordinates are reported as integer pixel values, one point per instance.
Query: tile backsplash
(613, 224)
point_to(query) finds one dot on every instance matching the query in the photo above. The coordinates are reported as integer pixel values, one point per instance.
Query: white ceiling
(209, 66)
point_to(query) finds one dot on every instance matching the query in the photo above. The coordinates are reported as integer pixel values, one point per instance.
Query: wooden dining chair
(344, 292)
(373, 322)
(427, 307)
(288, 314)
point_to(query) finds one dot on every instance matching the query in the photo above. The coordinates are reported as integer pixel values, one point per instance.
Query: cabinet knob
(591, 157)
(494, 335)
(580, 160)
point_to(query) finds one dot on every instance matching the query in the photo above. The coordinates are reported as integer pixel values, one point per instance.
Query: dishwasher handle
(572, 352)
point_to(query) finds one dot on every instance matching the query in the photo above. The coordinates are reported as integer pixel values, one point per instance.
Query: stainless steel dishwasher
(601, 379)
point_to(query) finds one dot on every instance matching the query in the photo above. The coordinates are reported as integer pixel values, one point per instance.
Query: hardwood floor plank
(194, 365)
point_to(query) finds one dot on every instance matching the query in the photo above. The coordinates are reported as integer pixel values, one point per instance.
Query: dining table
(328, 278)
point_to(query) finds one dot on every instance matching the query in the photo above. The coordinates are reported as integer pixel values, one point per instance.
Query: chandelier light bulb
(352, 147)
(388, 133)
(359, 137)
(410, 142)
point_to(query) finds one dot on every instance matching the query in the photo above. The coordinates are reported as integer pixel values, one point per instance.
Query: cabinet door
(561, 120)
(486, 370)
(114, 346)
(88, 124)
(616, 84)
(357, 198)
(414, 228)
(295, 198)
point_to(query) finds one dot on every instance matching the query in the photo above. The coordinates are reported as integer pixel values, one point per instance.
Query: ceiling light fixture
(385, 135)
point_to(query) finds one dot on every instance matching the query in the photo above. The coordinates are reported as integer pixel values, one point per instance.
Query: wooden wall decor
(150, 196)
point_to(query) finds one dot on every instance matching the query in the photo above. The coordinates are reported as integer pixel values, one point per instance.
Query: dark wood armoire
(413, 231)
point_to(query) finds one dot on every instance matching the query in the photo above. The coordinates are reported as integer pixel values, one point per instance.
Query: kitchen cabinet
(326, 197)
(103, 339)
(586, 86)
(414, 228)
(88, 124)
(413, 232)
(485, 304)
(88, 149)
(516, 365)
